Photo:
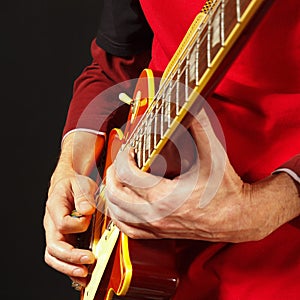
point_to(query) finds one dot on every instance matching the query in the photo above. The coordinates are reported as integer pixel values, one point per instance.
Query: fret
(169, 104)
(142, 144)
(149, 145)
(153, 133)
(243, 4)
(165, 110)
(132, 143)
(156, 124)
(231, 17)
(202, 56)
(214, 42)
(174, 108)
(182, 82)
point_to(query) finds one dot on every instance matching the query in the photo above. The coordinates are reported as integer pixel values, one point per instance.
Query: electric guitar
(145, 269)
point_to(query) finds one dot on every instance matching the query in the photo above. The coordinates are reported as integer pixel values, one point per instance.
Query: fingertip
(87, 259)
(85, 208)
(132, 153)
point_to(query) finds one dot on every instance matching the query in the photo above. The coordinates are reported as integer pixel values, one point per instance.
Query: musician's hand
(209, 202)
(68, 191)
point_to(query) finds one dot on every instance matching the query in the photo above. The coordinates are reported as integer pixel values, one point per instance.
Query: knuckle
(133, 234)
(47, 258)
(122, 174)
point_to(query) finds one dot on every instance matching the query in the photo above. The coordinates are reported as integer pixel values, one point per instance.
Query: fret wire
(187, 67)
(208, 42)
(149, 134)
(165, 109)
(169, 105)
(197, 57)
(222, 23)
(162, 119)
(140, 138)
(144, 142)
(238, 10)
(155, 124)
(177, 91)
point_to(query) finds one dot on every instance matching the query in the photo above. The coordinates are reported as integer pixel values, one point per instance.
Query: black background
(44, 46)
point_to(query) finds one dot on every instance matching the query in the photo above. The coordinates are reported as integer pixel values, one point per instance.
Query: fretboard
(208, 42)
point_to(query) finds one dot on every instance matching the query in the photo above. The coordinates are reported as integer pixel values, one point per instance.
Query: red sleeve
(292, 167)
(95, 95)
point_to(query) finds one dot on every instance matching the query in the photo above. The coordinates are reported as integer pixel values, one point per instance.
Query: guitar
(145, 269)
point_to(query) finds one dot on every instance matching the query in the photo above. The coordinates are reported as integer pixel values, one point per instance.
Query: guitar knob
(125, 98)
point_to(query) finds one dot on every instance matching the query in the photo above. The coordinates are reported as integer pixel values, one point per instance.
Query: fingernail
(86, 260)
(84, 205)
(78, 272)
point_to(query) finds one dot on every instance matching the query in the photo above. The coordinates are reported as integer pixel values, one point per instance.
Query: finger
(122, 202)
(207, 131)
(128, 207)
(66, 259)
(126, 213)
(59, 247)
(59, 210)
(84, 191)
(129, 174)
(134, 231)
(66, 267)
(117, 192)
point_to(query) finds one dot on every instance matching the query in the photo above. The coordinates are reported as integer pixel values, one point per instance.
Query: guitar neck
(212, 42)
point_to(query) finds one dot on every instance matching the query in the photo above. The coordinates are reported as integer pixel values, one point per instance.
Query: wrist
(81, 151)
(280, 194)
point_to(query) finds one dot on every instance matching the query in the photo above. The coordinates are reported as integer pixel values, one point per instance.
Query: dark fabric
(123, 29)
(293, 164)
(95, 98)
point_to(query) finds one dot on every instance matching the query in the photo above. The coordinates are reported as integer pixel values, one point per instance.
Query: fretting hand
(208, 202)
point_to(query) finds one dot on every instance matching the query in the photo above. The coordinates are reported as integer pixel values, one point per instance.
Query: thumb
(84, 189)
